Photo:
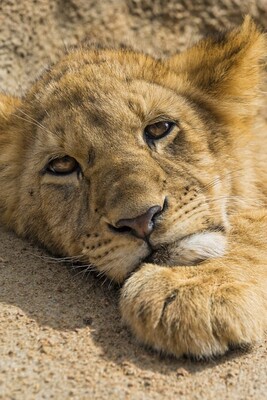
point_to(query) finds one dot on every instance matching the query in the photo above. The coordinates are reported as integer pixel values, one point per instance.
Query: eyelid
(54, 157)
(161, 118)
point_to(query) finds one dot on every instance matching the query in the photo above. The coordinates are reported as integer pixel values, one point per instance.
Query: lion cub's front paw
(191, 311)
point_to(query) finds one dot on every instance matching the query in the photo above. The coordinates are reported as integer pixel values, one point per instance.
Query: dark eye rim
(49, 169)
(155, 138)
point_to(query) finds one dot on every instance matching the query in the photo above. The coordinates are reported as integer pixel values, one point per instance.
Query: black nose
(140, 226)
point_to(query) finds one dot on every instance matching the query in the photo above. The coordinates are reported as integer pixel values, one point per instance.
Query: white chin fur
(199, 247)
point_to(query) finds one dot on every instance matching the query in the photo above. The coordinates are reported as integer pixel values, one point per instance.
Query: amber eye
(63, 165)
(159, 129)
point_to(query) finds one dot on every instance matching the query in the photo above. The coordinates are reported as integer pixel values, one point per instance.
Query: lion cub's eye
(63, 165)
(159, 129)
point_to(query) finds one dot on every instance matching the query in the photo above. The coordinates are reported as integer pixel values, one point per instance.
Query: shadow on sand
(54, 295)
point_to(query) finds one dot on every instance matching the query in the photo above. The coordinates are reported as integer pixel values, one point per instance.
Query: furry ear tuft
(8, 105)
(227, 66)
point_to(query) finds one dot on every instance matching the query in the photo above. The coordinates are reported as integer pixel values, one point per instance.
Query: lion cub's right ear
(228, 67)
(8, 105)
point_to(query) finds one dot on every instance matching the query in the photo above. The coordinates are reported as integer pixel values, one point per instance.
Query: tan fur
(200, 284)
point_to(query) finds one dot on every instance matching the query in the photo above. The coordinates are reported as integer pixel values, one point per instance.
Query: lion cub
(153, 172)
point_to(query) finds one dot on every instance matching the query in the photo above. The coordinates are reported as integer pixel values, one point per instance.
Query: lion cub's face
(125, 160)
(122, 167)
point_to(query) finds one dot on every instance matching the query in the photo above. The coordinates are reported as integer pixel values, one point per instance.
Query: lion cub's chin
(191, 250)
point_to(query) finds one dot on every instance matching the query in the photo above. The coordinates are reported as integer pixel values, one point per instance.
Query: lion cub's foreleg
(205, 309)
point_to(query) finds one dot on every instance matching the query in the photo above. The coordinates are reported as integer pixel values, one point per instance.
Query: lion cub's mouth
(190, 250)
(159, 256)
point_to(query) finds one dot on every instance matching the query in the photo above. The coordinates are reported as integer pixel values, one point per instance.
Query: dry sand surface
(61, 337)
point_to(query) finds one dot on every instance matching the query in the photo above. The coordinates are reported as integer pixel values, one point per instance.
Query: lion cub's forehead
(106, 90)
(100, 102)
(103, 80)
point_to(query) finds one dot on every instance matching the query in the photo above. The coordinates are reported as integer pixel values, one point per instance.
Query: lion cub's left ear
(8, 105)
(226, 67)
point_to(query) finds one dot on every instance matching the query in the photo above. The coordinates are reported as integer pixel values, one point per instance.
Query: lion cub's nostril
(140, 226)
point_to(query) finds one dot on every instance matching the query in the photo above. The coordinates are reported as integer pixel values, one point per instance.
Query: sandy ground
(61, 337)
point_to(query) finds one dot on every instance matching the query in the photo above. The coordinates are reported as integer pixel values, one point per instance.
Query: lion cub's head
(116, 157)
